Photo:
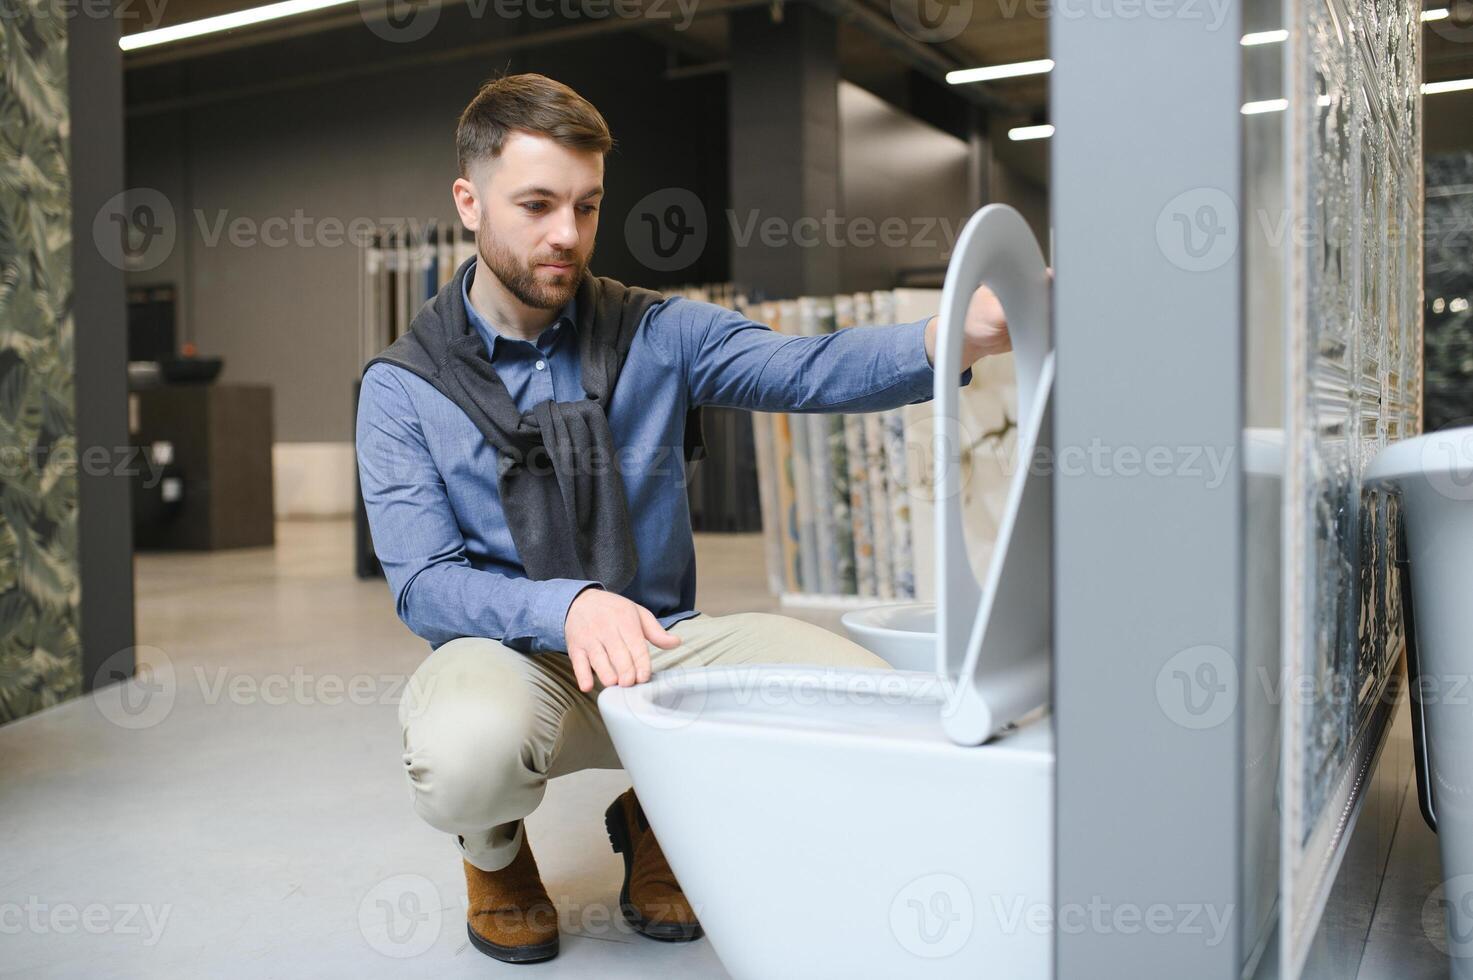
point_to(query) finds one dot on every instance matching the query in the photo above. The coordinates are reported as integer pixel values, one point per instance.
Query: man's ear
(467, 203)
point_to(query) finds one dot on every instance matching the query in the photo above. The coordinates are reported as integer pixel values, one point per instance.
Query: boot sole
(534, 953)
(665, 932)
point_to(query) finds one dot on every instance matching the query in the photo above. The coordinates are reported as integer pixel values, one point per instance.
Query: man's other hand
(608, 636)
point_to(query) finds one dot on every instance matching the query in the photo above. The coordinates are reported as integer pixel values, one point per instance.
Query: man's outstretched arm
(732, 361)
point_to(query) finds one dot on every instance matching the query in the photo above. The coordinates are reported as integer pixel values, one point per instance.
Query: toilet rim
(882, 619)
(692, 684)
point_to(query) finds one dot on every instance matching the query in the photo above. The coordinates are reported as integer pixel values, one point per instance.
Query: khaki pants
(485, 726)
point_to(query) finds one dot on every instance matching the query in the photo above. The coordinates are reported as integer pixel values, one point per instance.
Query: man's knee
(786, 639)
(465, 777)
(470, 747)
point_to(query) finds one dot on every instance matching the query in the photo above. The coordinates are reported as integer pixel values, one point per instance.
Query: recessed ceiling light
(225, 22)
(1452, 85)
(1020, 133)
(991, 72)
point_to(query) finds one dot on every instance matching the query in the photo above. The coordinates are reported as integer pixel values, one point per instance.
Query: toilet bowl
(1433, 475)
(903, 634)
(871, 823)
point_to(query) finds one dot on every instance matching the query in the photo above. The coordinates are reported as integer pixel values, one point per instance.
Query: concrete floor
(1407, 937)
(244, 812)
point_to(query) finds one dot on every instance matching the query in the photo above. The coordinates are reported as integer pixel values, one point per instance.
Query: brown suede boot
(651, 900)
(510, 916)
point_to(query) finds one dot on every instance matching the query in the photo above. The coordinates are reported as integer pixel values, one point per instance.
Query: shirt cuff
(911, 362)
(550, 615)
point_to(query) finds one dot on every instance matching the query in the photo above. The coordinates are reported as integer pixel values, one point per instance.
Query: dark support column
(104, 516)
(784, 150)
(979, 160)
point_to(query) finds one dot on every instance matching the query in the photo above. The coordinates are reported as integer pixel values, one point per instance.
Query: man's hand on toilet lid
(607, 637)
(986, 330)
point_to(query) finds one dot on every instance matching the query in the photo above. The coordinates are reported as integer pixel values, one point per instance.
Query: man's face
(537, 215)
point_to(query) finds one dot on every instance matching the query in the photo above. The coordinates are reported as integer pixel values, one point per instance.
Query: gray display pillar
(1148, 508)
(784, 149)
(104, 514)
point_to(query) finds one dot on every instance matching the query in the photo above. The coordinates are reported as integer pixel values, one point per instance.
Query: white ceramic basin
(903, 634)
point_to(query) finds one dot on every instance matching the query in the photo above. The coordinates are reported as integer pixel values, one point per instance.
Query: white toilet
(1433, 475)
(903, 634)
(872, 823)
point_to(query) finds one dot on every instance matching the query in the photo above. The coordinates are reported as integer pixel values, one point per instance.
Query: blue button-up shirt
(428, 476)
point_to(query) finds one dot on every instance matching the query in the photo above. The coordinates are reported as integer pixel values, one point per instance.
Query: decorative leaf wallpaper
(40, 654)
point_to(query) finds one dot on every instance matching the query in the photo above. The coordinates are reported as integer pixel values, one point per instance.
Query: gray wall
(381, 147)
(895, 166)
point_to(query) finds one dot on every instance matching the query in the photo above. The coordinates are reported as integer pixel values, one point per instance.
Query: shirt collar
(494, 340)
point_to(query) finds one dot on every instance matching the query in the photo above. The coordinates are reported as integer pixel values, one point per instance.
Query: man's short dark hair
(527, 103)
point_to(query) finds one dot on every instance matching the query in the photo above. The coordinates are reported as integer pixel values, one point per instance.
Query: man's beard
(521, 279)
